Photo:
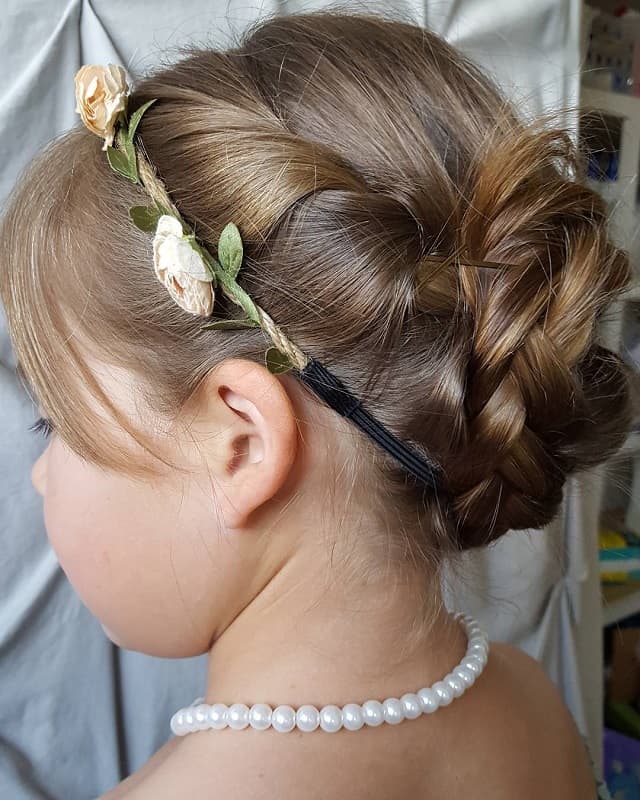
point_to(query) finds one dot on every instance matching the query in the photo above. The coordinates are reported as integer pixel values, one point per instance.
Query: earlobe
(255, 445)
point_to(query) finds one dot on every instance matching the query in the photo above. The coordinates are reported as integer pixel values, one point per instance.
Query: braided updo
(401, 224)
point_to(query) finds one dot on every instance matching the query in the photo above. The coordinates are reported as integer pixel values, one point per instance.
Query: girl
(350, 195)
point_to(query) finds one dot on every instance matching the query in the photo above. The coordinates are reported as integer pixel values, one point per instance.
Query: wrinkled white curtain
(76, 714)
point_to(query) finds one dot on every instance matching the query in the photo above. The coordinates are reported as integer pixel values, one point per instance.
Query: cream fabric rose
(101, 96)
(181, 268)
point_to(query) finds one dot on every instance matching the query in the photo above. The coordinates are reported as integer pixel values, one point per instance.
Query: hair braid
(528, 418)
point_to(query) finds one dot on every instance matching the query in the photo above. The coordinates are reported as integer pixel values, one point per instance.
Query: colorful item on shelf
(619, 556)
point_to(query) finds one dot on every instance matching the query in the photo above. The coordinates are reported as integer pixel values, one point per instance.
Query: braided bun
(541, 398)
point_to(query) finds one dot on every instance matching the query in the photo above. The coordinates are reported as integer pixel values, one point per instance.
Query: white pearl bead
(189, 720)
(411, 706)
(352, 717)
(177, 724)
(200, 717)
(473, 629)
(456, 684)
(481, 658)
(238, 716)
(429, 700)
(393, 711)
(466, 676)
(218, 716)
(307, 718)
(331, 719)
(373, 713)
(473, 664)
(444, 693)
(260, 716)
(283, 719)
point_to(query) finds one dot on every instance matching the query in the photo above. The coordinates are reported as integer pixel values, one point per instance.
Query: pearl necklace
(200, 716)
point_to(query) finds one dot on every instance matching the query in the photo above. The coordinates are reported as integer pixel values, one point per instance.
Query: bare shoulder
(532, 738)
(125, 790)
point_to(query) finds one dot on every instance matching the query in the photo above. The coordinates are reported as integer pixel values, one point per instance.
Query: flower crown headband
(191, 274)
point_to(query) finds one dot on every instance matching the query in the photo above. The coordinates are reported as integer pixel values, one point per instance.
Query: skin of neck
(331, 624)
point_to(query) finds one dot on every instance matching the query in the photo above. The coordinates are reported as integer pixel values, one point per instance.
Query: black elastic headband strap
(336, 395)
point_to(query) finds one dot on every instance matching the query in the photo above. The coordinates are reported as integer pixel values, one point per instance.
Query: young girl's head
(403, 227)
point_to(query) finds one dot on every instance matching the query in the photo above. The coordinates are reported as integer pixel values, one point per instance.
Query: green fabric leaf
(136, 117)
(145, 217)
(230, 249)
(276, 361)
(120, 164)
(241, 298)
(231, 325)
(133, 161)
(236, 293)
(123, 146)
(128, 132)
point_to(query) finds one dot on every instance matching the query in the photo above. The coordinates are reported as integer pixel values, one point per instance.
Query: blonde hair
(368, 166)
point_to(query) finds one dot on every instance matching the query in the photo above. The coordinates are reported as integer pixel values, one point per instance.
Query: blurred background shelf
(616, 103)
(610, 123)
(619, 601)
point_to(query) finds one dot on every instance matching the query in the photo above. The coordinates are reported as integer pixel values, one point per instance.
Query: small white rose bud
(101, 97)
(181, 269)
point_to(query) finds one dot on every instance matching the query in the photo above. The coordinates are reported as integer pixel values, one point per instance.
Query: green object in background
(623, 718)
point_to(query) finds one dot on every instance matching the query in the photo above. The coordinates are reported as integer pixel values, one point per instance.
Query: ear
(251, 436)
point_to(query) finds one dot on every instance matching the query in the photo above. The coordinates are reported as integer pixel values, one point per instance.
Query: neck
(313, 636)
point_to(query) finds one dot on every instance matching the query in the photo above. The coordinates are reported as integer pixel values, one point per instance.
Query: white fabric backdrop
(76, 713)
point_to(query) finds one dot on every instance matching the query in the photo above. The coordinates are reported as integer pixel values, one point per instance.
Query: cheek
(78, 507)
(142, 559)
